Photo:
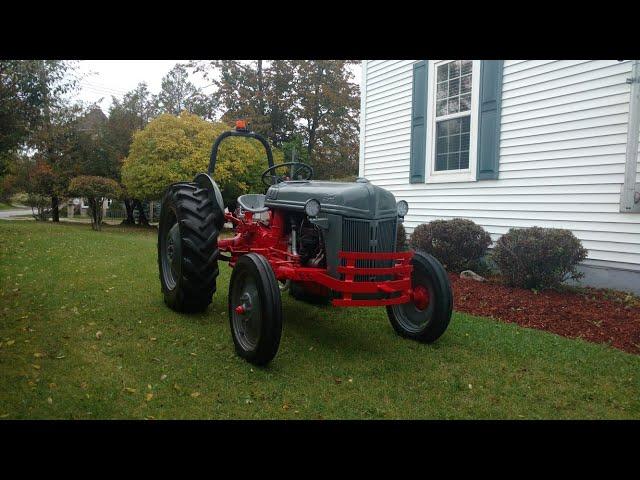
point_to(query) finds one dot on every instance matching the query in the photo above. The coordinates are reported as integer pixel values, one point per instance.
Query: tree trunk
(129, 207)
(95, 212)
(142, 218)
(55, 208)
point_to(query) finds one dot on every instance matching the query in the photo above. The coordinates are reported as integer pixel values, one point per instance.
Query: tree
(20, 96)
(51, 136)
(178, 94)
(328, 104)
(96, 190)
(127, 116)
(57, 146)
(175, 148)
(35, 116)
(39, 183)
(258, 91)
(316, 100)
(96, 154)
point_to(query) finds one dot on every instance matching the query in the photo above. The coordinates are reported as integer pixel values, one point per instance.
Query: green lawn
(60, 285)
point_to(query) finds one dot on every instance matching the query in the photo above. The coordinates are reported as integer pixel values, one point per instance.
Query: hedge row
(526, 257)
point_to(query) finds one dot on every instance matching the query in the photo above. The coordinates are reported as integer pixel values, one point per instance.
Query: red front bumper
(400, 284)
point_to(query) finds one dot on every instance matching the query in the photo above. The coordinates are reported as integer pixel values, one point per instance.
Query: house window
(453, 90)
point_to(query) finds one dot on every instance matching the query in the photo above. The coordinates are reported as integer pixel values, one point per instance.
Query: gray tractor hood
(359, 199)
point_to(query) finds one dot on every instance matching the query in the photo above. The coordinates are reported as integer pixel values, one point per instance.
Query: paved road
(17, 211)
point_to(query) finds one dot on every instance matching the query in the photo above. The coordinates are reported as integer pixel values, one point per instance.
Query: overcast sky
(103, 78)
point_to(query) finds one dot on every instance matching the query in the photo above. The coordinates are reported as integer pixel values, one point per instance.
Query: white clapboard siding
(562, 154)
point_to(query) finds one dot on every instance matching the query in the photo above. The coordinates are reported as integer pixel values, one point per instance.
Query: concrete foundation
(614, 278)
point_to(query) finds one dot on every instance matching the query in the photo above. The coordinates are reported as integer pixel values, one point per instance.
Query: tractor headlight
(403, 208)
(312, 207)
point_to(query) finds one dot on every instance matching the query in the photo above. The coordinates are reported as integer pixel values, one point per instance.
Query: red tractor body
(268, 238)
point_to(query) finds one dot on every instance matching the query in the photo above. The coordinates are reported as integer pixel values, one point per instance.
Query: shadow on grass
(312, 325)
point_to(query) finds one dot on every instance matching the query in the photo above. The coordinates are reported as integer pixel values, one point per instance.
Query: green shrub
(401, 238)
(458, 243)
(96, 190)
(538, 257)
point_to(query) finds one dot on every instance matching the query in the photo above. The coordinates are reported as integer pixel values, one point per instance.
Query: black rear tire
(256, 332)
(188, 247)
(426, 324)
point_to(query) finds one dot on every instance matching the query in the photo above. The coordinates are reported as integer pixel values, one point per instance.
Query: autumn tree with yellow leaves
(175, 148)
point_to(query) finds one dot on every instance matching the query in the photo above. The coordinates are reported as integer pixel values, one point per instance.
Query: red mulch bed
(600, 316)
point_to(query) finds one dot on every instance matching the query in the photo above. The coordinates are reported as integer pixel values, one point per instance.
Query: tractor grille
(363, 236)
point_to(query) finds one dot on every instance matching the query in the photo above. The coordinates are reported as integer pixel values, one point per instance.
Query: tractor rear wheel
(427, 317)
(188, 247)
(255, 309)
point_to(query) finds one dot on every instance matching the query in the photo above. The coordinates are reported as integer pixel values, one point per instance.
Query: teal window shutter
(418, 158)
(489, 119)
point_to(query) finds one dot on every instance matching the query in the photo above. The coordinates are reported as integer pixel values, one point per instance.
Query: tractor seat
(252, 202)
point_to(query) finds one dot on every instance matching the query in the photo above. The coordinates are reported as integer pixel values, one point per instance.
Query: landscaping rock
(471, 275)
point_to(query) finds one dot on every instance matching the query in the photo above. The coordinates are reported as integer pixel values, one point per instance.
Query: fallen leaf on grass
(163, 376)
(49, 400)
(148, 396)
(10, 342)
(193, 354)
(130, 390)
(39, 355)
(98, 334)
(195, 394)
(37, 367)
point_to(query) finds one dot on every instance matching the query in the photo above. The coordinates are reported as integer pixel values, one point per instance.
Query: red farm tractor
(324, 242)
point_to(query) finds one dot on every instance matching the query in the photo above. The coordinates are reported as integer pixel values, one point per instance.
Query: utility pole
(47, 148)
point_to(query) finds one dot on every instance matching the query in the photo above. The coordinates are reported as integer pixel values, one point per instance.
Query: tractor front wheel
(255, 309)
(188, 247)
(426, 317)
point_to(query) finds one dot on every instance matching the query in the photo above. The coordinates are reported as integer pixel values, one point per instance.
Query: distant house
(512, 143)
(92, 121)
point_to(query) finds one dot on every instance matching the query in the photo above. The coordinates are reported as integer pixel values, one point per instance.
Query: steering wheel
(295, 171)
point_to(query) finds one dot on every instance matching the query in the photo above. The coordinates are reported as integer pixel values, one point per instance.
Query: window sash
(459, 175)
(451, 116)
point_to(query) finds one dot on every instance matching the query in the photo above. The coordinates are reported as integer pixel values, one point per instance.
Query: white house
(513, 143)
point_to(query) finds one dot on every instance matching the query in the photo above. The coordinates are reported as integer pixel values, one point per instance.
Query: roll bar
(240, 131)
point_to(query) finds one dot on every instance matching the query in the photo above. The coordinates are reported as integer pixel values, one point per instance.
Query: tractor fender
(204, 180)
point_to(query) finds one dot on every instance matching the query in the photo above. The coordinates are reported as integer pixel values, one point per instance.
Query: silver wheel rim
(246, 325)
(171, 253)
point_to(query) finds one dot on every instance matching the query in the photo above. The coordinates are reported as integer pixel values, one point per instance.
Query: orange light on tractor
(241, 124)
